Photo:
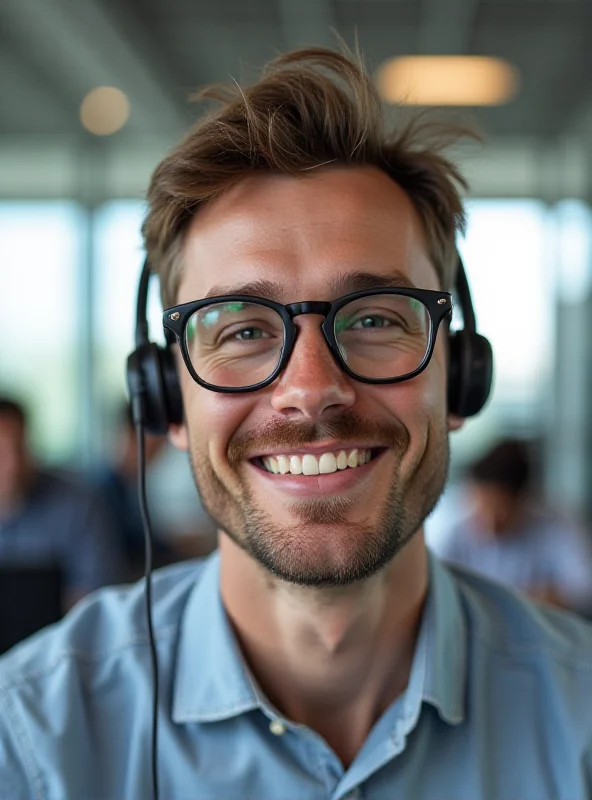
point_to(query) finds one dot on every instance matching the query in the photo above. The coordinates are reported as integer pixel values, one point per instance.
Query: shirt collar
(446, 641)
(212, 681)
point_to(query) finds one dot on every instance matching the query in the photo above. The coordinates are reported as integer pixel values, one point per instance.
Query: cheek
(422, 399)
(212, 419)
(419, 405)
(434, 382)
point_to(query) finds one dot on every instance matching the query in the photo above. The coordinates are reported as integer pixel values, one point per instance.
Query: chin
(323, 551)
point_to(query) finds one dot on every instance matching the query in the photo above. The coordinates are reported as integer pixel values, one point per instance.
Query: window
(40, 323)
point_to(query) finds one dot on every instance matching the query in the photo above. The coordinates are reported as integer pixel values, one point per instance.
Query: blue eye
(372, 321)
(248, 334)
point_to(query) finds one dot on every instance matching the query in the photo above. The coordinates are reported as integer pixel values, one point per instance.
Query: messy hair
(309, 108)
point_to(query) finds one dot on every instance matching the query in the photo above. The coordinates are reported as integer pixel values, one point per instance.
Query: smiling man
(305, 258)
(318, 477)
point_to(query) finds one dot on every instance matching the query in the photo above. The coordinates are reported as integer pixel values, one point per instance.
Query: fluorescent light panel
(447, 81)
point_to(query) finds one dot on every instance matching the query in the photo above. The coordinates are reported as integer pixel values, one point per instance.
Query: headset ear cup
(172, 387)
(470, 372)
(454, 367)
(151, 373)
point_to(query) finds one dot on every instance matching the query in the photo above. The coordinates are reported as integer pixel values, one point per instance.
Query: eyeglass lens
(236, 344)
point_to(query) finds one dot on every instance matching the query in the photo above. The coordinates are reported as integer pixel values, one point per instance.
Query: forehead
(305, 235)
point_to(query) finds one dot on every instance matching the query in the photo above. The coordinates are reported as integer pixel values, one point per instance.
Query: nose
(312, 383)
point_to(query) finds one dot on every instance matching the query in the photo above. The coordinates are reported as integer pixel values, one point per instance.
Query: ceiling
(52, 52)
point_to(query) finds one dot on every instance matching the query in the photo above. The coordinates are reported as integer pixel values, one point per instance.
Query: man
(508, 535)
(321, 653)
(47, 519)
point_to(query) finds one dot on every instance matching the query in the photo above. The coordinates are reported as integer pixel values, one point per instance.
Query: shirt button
(277, 727)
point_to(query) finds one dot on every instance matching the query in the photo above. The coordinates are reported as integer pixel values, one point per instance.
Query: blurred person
(322, 651)
(48, 519)
(510, 536)
(117, 484)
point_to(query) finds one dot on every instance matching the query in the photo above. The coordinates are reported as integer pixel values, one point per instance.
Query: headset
(156, 402)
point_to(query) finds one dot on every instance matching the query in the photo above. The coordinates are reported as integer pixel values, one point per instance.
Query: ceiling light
(447, 81)
(104, 110)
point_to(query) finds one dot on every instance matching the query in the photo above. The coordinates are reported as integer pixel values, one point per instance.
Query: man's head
(291, 189)
(15, 461)
(498, 487)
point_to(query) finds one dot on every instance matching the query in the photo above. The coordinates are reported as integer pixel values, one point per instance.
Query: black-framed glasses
(239, 343)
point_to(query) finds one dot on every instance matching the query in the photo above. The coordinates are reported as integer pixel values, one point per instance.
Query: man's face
(299, 236)
(14, 460)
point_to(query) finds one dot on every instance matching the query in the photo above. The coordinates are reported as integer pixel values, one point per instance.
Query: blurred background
(94, 92)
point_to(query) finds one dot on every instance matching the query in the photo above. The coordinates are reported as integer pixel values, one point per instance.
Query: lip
(333, 483)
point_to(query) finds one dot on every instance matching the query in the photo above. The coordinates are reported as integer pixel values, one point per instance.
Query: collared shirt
(61, 522)
(498, 705)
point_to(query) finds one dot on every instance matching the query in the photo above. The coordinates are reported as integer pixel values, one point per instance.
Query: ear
(179, 437)
(455, 423)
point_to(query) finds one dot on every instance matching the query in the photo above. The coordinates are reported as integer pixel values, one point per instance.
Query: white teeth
(308, 464)
(327, 463)
(296, 465)
(284, 464)
(273, 465)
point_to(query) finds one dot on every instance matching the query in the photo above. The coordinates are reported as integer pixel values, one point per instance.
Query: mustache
(279, 434)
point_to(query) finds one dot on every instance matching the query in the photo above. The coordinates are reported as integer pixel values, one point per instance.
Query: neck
(331, 659)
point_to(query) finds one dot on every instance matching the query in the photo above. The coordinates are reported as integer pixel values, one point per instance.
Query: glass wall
(41, 317)
(509, 258)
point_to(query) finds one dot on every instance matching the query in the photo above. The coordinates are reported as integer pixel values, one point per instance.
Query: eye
(248, 334)
(372, 321)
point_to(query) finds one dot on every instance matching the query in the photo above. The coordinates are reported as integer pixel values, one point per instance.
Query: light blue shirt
(498, 705)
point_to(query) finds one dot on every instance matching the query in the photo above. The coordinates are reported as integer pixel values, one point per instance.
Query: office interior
(94, 93)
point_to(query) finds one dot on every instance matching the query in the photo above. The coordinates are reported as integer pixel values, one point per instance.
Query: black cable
(148, 540)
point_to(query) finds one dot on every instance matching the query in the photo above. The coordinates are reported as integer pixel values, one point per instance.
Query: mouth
(324, 463)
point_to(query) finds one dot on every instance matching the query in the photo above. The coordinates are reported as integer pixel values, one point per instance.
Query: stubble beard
(325, 549)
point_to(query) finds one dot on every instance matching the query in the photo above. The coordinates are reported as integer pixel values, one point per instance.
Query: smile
(316, 464)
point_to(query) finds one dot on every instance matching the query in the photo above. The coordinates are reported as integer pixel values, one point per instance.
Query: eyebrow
(268, 289)
(343, 284)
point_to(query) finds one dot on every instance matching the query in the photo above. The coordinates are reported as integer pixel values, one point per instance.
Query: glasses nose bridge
(309, 307)
(320, 308)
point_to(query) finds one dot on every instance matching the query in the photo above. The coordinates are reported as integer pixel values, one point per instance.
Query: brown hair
(310, 108)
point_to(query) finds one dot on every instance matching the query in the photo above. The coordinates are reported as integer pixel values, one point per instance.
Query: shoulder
(74, 696)
(527, 663)
(105, 477)
(507, 623)
(105, 626)
(56, 488)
